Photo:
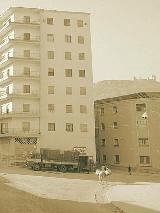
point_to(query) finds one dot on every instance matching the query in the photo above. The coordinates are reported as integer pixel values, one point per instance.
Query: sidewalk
(128, 208)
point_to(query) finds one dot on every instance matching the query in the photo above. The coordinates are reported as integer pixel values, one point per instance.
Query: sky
(125, 34)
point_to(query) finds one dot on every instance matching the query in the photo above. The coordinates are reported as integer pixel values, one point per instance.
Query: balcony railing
(4, 26)
(33, 56)
(22, 38)
(11, 132)
(4, 42)
(19, 93)
(19, 21)
(33, 113)
(32, 74)
(23, 21)
(31, 39)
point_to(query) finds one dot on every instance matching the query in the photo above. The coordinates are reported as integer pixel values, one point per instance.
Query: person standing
(129, 170)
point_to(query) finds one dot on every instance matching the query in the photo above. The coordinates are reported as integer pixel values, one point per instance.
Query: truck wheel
(63, 168)
(37, 167)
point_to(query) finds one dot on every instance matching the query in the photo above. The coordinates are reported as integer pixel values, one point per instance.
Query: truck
(63, 161)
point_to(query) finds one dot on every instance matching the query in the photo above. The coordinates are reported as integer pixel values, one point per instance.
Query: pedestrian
(103, 168)
(129, 170)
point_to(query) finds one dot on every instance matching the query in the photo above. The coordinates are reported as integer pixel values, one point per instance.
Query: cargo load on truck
(63, 161)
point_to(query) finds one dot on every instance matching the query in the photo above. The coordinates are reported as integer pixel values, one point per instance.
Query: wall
(131, 127)
(60, 138)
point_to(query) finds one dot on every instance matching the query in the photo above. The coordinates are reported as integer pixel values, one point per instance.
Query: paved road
(142, 194)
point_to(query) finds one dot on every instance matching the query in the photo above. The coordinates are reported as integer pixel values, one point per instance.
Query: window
(115, 125)
(26, 126)
(7, 89)
(83, 127)
(68, 90)
(83, 109)
(103, 142)
(51, 90)
(115, 110)
(68, 72)
(102, 126)
(69, 127)
(141, 107)
(26, 88)
(51, 108)
(82, 90)
(51, 127)
(82, 73)
(81, 56)
(50, 21)
(67, 22)
(68, 108)
(26, 71)
(143, 141)
(7, 109)
(26, 36)
(80, 23)
(8, 72)
(101, 111)
(81, 39)
(104, 159)
(50, 37)
(26, 107)
(4, 128)
(97, 132)
(50, 54)
(68, 56)
(50, 71)
(26, 19)
(117, 160)
(116, 142)
(26, 53)
(144, 159)
(68, 38)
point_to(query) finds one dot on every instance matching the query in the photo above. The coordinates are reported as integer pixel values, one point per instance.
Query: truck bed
(60, 162)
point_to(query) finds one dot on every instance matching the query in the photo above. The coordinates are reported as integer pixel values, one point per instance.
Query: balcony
(143, 145)
(32, 39)
(8, 59)
(9, 41)
(30, 114)
(34, 94)
(14, 132)
(4, 43)
(8, 25)
(5, 78)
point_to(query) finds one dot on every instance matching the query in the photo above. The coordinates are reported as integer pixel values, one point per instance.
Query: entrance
(83, 162)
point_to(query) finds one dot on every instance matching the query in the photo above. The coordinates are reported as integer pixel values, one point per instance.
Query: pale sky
(125, 34)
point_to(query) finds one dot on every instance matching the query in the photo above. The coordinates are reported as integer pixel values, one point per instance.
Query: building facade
(46, 83)
(127, 130)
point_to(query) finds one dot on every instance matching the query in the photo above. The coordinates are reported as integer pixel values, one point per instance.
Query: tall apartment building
(46, 81)
(127, 130)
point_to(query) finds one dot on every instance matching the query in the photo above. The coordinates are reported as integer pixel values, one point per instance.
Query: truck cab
(34, 161)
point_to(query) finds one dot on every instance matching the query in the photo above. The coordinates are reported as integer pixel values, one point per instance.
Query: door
(83, 162)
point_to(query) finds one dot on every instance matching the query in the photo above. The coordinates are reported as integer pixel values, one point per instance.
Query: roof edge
(11, 9)
(130, 97)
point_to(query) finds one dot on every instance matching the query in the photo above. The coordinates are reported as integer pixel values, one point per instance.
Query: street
(59, 186)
